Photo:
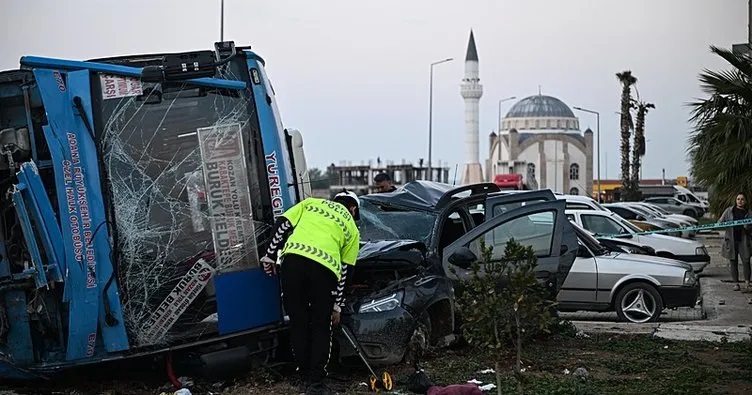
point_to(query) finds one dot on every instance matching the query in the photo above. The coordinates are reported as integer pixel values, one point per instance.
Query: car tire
(690, 213)
(638, 303)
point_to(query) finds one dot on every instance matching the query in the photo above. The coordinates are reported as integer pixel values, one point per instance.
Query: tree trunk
(625, 107)
(498, 377)
(519, 342)
(627, 80)
(639, 142)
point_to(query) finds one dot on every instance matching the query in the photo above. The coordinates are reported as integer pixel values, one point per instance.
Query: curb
(671, 331)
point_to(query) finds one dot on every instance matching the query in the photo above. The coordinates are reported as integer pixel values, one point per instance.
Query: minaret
(471, 90)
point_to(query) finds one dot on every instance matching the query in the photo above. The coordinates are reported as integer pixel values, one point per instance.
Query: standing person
(736, 242)
(384, 183)
(318, 239)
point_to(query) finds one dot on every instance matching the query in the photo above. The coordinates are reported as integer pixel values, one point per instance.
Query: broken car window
(377, 223)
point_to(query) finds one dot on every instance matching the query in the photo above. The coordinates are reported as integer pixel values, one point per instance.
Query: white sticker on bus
(116, 86)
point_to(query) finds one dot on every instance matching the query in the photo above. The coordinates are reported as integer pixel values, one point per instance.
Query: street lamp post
(498, 130)
(598, 144)
(430, 116)
(222, 21)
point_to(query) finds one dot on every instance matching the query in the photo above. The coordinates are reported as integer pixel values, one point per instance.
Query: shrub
(503, 303)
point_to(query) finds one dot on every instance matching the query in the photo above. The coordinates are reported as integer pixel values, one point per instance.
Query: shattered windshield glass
(178, 166)
(380, 224)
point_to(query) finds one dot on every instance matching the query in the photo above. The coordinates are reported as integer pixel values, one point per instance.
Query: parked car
(682, 220)
(401, 294)
(668, 214)
(675, 205)
(610, 224)
(632, 213)
(581, 202)
(637, 287)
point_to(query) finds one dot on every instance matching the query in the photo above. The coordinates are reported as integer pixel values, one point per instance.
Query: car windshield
(650, 209)
(659, 209)
(381, 223)
(587, 239)
(643, 211)
(599, 206)
(692, 199)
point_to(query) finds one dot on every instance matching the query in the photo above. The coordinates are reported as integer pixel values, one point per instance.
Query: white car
(668, 214)
(607, 223)
(580, 202)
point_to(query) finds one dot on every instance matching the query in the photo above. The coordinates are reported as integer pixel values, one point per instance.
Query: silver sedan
(637, 287)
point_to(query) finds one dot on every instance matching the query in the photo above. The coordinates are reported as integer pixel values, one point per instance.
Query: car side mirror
(582, 252)
(463, 258)
(677, 203)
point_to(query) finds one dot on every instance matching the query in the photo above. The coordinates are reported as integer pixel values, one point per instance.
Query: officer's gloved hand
(270, 266)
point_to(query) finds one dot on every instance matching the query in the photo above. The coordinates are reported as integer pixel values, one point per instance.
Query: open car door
(542, 225)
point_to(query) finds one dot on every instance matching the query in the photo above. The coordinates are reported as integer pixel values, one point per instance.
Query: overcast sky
(353, 75)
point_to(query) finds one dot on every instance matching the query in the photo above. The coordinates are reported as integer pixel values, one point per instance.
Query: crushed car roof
(427, 195)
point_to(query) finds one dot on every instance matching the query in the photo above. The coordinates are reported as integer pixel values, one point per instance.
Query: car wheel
(638, 303)
(690, 213)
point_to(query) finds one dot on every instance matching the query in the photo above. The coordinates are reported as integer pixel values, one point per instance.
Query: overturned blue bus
(137, 194)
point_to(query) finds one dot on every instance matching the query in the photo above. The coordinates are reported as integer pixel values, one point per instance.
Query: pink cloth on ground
(456, 389)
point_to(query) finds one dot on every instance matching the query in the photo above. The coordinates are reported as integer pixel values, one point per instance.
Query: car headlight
(701, 251)
(689, 278)
(387, 303)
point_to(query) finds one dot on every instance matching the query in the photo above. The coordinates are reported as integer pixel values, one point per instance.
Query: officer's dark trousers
(307, 289)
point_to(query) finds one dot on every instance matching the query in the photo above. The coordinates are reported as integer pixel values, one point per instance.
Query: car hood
(374, 251)
(646, 259)
(682, 217)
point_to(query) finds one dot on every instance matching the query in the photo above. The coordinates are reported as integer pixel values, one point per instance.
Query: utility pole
(430, 117)
(222, 21)
(598, 144)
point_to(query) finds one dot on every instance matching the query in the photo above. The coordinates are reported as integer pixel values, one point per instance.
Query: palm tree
(719, 145)
(627, 80)
(638, 151)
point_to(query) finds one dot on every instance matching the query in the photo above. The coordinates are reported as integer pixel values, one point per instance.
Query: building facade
(541, 139)
(359, 178)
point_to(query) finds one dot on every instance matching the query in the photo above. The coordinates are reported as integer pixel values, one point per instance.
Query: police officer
(318, 239)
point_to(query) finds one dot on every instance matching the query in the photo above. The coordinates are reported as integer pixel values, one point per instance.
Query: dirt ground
(610, 364)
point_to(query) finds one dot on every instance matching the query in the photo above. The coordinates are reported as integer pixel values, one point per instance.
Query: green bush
(504, 305)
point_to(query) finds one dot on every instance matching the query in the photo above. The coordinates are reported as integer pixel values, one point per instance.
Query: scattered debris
(581, 373)
(487, 371)
(566, 371)
(487, 387)
(474, 381)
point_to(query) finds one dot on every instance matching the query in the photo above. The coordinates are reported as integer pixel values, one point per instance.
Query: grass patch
(614, 365)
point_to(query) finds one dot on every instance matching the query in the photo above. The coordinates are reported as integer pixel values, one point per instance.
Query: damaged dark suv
(401, 297)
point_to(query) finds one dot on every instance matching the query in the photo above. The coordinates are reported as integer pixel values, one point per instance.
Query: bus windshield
(179, 168)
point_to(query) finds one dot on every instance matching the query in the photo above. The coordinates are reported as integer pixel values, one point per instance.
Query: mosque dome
(540, 106)
(541, 113)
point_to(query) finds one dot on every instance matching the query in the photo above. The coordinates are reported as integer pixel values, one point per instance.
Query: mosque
(540, 139)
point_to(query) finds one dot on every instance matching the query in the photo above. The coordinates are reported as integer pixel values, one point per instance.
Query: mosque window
(574, 171)
(531, 170)
(574, 191)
